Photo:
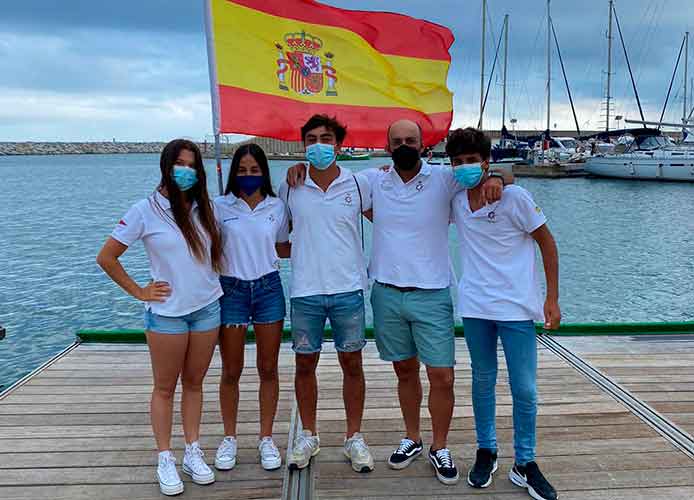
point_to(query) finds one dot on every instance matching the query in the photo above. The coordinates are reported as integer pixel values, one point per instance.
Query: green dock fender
(135, 336)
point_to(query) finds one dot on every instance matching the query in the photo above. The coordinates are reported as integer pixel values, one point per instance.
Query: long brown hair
(198, 193)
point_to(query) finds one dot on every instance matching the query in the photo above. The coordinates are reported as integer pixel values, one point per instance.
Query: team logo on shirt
(419, 186)
(538, 210)
(271, 218)
(491, 217)
(348, 198)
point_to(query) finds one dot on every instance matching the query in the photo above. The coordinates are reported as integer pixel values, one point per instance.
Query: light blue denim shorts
(202, 320)
(347, 321)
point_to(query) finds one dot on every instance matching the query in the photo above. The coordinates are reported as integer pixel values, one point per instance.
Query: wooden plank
(222, 490)
(330, 487)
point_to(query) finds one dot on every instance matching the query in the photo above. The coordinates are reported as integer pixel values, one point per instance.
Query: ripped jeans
(345, 312)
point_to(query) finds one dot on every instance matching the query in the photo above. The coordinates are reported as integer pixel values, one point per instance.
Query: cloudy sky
(137, 70)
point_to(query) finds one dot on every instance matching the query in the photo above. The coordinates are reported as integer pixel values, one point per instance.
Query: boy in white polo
(328, 281)
(499, 297)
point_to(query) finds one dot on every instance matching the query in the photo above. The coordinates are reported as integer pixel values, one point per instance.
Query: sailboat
(645, 153)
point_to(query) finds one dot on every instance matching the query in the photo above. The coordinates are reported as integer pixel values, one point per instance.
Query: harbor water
(626, 248)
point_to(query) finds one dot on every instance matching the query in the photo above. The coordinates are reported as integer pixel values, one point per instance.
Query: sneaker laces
(358, 445)
(404, 445)
(444, 456)
(268, 448)
(228, 447)
(302, 443)
(167, 469)
(195, 459)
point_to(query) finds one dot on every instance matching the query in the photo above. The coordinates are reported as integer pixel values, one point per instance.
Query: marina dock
(615, 421)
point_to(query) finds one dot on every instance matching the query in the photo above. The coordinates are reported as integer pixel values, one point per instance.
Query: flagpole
(214, 92)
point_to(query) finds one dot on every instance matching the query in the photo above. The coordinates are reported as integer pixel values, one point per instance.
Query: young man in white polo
(499, 298)
(328, 282)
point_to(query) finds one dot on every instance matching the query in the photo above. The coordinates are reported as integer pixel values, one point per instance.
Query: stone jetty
(75, 148)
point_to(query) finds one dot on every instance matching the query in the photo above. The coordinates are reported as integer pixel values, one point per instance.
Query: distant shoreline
(71, 148)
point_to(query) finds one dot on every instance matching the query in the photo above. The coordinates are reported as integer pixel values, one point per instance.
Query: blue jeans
(259, 301)
(347, 321)
(520, 349)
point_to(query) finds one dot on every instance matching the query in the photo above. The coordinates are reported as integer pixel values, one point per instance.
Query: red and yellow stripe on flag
(274, 63)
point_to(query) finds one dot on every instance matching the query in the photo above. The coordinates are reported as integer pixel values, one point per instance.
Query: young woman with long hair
(182, 314)
(255, 233)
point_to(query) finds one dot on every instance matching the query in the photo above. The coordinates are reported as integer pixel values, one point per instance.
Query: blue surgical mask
(468, 175)
(249, 184)
(185, 177)
(320, 155)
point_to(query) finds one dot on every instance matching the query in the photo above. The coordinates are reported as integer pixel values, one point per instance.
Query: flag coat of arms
(274, 63)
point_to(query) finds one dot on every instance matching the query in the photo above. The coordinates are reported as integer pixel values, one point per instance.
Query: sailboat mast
(686, 70)
(608, 97)
(484, 33)
(503, 106)
(549, 62)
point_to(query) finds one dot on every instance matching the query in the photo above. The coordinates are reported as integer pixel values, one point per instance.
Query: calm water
(626, 248)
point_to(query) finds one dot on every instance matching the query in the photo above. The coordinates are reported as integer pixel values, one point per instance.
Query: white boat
(648, 156)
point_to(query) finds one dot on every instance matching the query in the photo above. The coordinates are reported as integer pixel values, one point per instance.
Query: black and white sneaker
(482, 473)
(407, 451)
(530, 477)
(444, 466)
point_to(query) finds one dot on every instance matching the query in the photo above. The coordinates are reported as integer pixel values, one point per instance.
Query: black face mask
(405, 157)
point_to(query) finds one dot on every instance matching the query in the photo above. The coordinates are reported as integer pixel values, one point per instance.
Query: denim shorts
(202, 320)
(259, 301)
(347, 321)
(416, 323)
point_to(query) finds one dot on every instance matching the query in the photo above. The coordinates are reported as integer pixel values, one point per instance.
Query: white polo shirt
(250, 236)
(194, 284)
(410, 227)
(327, 256)
(500, 278)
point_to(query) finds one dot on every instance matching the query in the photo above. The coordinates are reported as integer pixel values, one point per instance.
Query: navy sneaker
(407, 451)
(530, 477)
(481, 474)
(444, 466)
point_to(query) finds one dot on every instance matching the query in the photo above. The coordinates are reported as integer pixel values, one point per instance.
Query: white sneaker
(306, 445)
(194, 465)
(169, 481)
(225, 459)
(270, 457)
(357, 452)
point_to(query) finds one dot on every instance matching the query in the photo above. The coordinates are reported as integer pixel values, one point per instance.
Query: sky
(80, 70)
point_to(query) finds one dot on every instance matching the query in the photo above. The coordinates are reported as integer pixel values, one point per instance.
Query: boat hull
(637, 167)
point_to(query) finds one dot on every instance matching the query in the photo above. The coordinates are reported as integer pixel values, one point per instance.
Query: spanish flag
(274, 63)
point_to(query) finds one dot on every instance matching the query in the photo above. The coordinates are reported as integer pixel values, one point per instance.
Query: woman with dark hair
(182, 315)
(255, 233)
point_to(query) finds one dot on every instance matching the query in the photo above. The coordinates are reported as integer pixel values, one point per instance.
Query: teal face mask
(468, 175)
(320, 155)
(185, 177)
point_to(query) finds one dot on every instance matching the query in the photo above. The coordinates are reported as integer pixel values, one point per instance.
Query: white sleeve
(130, 228)
(283, 195)
(452, 186)
(283, 231)
(526, 213)
(371, 175)
(365, 190)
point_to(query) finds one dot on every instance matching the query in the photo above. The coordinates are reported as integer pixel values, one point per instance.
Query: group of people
(215, 270)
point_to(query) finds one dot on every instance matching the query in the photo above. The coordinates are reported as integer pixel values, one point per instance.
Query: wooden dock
(79, 428)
